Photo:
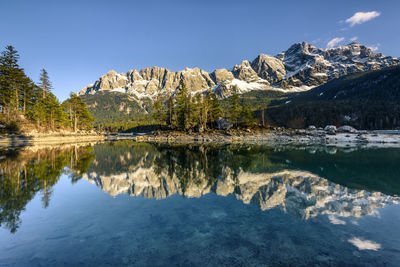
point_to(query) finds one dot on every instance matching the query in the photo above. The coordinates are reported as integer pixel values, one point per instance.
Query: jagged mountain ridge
(301, 67)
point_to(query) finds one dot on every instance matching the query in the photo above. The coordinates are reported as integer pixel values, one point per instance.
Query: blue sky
(78, 41)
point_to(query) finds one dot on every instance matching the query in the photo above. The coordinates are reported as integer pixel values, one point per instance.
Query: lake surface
(127, 203)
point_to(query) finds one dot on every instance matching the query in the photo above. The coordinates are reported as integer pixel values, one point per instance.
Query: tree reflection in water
(26, 172)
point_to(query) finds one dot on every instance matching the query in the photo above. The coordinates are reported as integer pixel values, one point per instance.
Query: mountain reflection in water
(247, 172)
(303, 182)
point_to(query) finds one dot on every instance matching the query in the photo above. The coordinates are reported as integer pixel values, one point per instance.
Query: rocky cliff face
(301, 67)
(307, 65)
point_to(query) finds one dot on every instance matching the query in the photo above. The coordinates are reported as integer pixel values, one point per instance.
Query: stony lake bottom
(140, 204)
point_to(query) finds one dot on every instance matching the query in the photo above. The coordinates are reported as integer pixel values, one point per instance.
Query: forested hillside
(118, 111)
(26, 106)
(366, 100)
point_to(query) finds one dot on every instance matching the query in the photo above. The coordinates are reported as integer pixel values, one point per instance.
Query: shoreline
(14, 140)
(292, 137)
(373, 138)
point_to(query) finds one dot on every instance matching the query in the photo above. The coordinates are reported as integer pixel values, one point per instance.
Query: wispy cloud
(374, 47)
(361, 17)
(355, 38)
(334, 41)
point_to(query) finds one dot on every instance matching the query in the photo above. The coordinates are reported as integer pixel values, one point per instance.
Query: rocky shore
(344, 137)
(327, 136)
(17, 140)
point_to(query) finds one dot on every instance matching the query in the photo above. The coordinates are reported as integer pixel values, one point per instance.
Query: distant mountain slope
(112, 107)
(301, 67)
(367, 100)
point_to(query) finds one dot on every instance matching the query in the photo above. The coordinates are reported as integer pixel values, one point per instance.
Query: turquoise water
(126, 203)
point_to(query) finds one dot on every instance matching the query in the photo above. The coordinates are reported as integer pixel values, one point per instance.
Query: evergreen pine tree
(45, 83)
(11, 80)
(55, 115)
(29, 96)
(246, 116)
(215, 108)
(159, 112)
(234, 107)
(39, 113)
(182, 107)
(195, 112)
(170, 111)
(79, 116)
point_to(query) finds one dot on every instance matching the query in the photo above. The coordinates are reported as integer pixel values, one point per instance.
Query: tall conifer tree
(45, 83)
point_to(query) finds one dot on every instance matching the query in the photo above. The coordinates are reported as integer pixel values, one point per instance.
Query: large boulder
(347, 129)
(330, 129)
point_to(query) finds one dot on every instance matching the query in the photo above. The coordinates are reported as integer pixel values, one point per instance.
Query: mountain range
(299, 68)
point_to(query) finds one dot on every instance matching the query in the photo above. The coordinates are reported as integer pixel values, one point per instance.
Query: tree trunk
(16, 99)
(24, 103)
(262, 117)
(75, 122)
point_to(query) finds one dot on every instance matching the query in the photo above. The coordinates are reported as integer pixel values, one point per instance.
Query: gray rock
(221, 75)
(330, 129)
(311, 128)
(245, 72)
(311, 66)
(347, 129)
(269, 68)
(223, 124)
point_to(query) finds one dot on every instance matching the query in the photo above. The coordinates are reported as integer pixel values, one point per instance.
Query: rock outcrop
(269, 68)
(310, 66)
(221, 75)
(245, 72)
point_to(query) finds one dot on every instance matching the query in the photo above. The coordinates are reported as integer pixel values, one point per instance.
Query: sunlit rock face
(299, 68)
(301, 194)
(307, 65)
(269, 68)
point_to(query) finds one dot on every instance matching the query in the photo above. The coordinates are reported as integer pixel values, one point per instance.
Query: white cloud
(374, 47)
(334, 41)
(364, 244)
(355, 38)
(361, 17)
